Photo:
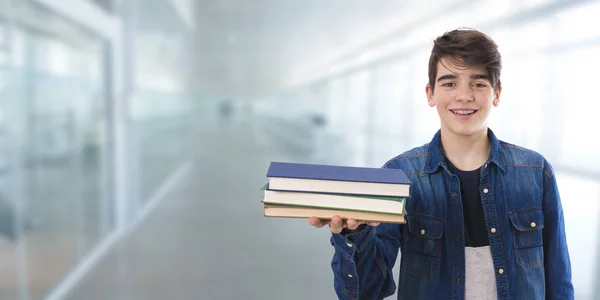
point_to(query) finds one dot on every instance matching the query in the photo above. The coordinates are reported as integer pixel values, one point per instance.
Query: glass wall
(161, 106)
(54, 199)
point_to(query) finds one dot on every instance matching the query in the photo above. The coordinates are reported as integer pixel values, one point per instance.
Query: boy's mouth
(463, 112)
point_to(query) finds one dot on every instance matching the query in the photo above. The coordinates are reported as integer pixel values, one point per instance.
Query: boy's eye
(480, 85)
(448, 84)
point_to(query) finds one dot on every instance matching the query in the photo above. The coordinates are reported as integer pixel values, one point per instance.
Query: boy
(484, 220)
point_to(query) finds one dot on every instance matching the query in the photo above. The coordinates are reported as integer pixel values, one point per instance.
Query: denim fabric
(523, 216)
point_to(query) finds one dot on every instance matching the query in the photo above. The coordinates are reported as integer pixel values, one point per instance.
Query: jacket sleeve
(363, 261)
(556, 254)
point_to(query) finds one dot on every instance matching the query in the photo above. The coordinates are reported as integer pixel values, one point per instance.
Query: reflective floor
(208, 239)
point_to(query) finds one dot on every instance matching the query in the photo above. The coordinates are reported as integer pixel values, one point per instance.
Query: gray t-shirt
(480, 279)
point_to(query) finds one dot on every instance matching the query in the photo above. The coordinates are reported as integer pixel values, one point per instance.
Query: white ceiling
(255, 47)
(33, 17)
(250, 48)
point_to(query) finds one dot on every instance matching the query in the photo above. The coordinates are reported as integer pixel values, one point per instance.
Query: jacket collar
(436, 159)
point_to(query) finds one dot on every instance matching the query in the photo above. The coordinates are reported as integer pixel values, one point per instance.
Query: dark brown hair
(466, 47)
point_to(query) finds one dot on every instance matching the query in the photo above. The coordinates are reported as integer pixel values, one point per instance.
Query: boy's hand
(337, 224)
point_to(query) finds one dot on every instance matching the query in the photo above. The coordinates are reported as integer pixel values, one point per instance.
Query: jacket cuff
(354, 241)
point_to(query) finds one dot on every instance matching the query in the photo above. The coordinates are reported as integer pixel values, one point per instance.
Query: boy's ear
(497, 95)
(429, 92)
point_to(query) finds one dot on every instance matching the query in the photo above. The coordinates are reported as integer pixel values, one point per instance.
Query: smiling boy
(484, 220)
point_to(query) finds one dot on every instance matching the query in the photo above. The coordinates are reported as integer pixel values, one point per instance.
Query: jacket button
(501, 271)
(485, 191)
(458, 237)
(350, 275)
(493, 230)
(457, 281)
(532, 224)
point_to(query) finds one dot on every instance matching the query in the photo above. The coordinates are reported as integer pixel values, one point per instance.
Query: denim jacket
(523, 216)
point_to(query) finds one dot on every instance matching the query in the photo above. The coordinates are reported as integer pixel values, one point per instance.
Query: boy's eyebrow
(480, 76)
(446, 77)
(474, 76)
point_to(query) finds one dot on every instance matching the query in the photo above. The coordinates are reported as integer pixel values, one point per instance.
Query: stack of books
(305, 190)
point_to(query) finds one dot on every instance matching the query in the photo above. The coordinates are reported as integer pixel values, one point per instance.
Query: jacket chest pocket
(422, 245)
(527, 236)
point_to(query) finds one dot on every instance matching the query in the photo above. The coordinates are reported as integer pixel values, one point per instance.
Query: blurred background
(135, 135)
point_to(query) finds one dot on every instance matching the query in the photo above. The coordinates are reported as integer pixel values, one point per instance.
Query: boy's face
(464, 97)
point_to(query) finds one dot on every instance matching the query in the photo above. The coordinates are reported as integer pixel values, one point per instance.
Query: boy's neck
(466, 152)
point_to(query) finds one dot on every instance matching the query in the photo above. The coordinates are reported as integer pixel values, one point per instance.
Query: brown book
(279, 211)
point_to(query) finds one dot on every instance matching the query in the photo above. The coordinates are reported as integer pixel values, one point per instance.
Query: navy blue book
(286, 176)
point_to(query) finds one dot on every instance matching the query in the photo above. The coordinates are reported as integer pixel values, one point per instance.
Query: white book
(362, 203)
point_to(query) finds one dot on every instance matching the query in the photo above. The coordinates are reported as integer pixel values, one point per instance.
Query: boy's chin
(467, 130)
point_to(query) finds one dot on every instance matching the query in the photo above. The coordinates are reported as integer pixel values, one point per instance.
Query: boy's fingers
(316, 222)
(352, 224)
(336, 224)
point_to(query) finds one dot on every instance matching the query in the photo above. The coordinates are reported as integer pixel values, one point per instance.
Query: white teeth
(463, 112)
